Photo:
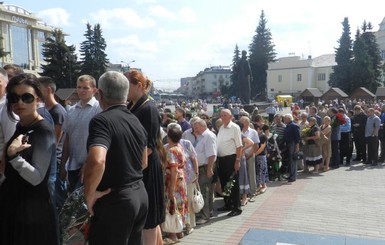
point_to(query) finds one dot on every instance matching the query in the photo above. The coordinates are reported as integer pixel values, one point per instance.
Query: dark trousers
(382, 155)
(225, 170)
(205, 185)
(360, 143)
(345, 151)
(372, 143)
(120, 217)
(292, 163)
(335, 161)
(74, 180)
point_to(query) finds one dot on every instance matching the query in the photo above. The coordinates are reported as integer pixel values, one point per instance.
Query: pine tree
(367, 60)
(94, 59)
(261, 52)
(62, 64)
(341, 76)
(234, 73)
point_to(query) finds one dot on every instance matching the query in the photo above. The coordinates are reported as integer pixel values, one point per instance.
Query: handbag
(173, 223)
(298, 155)
(197, 199)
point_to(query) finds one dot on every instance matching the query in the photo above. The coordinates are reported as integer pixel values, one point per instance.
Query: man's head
(113, 88)
(277, 119)
(13, 70)
(180, 113)
(47, 86)
(371, 112)
(288, 118)
(244, 53)
(226, 116)
(199, 126)
(86, 88)
(313, 110)
(3, 81)
(245, 121)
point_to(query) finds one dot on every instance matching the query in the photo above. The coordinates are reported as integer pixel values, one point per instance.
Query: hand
(17, 146)
(63, 172)
(210, 173)
(237, 165)
(91, 199)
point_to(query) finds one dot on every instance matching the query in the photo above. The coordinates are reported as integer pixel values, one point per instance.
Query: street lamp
(127, 65)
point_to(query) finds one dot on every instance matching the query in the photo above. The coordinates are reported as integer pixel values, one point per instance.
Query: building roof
(336, 91)
(324, 60)
(65, 93)
(311, 92)
(380, 91)
(363, 89)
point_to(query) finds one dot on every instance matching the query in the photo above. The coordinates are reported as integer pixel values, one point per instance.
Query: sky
(171, 39)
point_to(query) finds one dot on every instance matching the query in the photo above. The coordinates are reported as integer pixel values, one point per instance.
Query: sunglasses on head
(26, 98)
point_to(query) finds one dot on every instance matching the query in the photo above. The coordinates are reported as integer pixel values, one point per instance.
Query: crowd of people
(137, 162)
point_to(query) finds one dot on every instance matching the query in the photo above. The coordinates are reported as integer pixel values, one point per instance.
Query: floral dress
(176, 158)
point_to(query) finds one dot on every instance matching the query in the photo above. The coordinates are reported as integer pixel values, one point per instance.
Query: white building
(292, 75)
(380, 38)
(207, 83)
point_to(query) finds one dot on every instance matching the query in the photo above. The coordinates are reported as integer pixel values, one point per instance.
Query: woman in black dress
(145, 110)
(26, 210)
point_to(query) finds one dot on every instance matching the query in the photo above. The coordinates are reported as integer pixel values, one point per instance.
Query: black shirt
(124, 137)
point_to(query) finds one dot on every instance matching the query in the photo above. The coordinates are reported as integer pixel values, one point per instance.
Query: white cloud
(55, 16)
(187, 15)
(134, 42)
(173, 34)
(160, 11)
(120, 18)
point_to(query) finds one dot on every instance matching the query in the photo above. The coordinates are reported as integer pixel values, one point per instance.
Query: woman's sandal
(167, 241)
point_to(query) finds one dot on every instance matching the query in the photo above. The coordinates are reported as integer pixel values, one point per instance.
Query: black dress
(147, 113)
(26, 210)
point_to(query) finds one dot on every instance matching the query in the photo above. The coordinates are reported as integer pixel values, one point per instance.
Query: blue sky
(170, 39)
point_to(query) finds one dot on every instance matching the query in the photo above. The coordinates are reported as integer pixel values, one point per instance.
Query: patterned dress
(176, 159)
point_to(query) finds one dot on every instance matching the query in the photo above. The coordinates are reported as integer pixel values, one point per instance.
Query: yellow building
(23, 36)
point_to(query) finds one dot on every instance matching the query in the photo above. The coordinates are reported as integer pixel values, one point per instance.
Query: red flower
(338, 120)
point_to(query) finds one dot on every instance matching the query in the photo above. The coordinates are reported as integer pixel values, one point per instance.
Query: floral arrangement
(305, 133)
(229, 185)
(338, 120)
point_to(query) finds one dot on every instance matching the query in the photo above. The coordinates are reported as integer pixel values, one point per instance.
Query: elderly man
(206, 150)
(371, 134)
(113, 186)
(250, 154)
(229, 144)
(292, 138)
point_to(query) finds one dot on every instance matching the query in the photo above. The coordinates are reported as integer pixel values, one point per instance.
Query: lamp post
(126, 65)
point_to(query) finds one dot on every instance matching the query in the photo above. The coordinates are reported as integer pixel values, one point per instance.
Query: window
(279, 78)
(20, 44)
(299, 77)
(321, 77)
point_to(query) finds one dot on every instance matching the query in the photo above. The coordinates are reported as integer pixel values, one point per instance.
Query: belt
(202, 166)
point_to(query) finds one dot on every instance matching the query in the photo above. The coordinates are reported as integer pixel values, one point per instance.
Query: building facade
(380, 38)
(207, 83)
(292, 75)
(23, 36)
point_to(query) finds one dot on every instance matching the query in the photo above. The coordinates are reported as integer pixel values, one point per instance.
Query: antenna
(309, 48)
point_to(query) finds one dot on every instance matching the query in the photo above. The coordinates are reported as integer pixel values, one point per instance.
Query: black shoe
(234, 213)
(291, 180)
(224, 208)
(366, 162)
(374, 163)
(357, 160)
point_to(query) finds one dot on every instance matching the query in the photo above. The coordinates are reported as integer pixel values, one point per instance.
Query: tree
(366, 68)
(233, 88)
(92, 50)
(62, 65)
(261, 52)
(341, 76)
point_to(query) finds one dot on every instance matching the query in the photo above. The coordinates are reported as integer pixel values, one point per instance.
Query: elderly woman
(174, 178)
(326, 147)
(313, 151)
(303, 123)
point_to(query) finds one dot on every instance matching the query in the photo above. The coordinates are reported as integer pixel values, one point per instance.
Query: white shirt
(7, 125)
(228, 139)
(253, 136)
(206, 147)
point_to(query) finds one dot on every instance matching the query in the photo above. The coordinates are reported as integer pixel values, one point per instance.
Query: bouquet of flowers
(338, 120)
(304, 133)
(229, 185)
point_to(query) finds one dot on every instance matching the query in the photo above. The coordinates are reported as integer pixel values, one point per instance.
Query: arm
(58, 133)
(261, 149)
(247, 143)
(145, 158)
(210, 164)
(172, 183)
(237, 164)
(64, 157)
(93, 172)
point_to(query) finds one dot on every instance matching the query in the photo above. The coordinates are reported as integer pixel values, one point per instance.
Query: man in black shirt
(113, 187)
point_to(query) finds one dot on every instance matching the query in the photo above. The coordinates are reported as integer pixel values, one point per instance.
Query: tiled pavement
(345, 202)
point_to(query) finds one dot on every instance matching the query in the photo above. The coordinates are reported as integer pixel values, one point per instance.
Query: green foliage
(261, 52)
(341, 76)
(94, 60)
(62, 65)
(366, 67)
(233, 89)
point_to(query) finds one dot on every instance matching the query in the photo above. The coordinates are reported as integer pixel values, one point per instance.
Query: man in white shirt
(206, 150)
(229, 145)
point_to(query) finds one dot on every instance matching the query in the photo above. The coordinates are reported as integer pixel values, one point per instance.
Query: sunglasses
(26, 98)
